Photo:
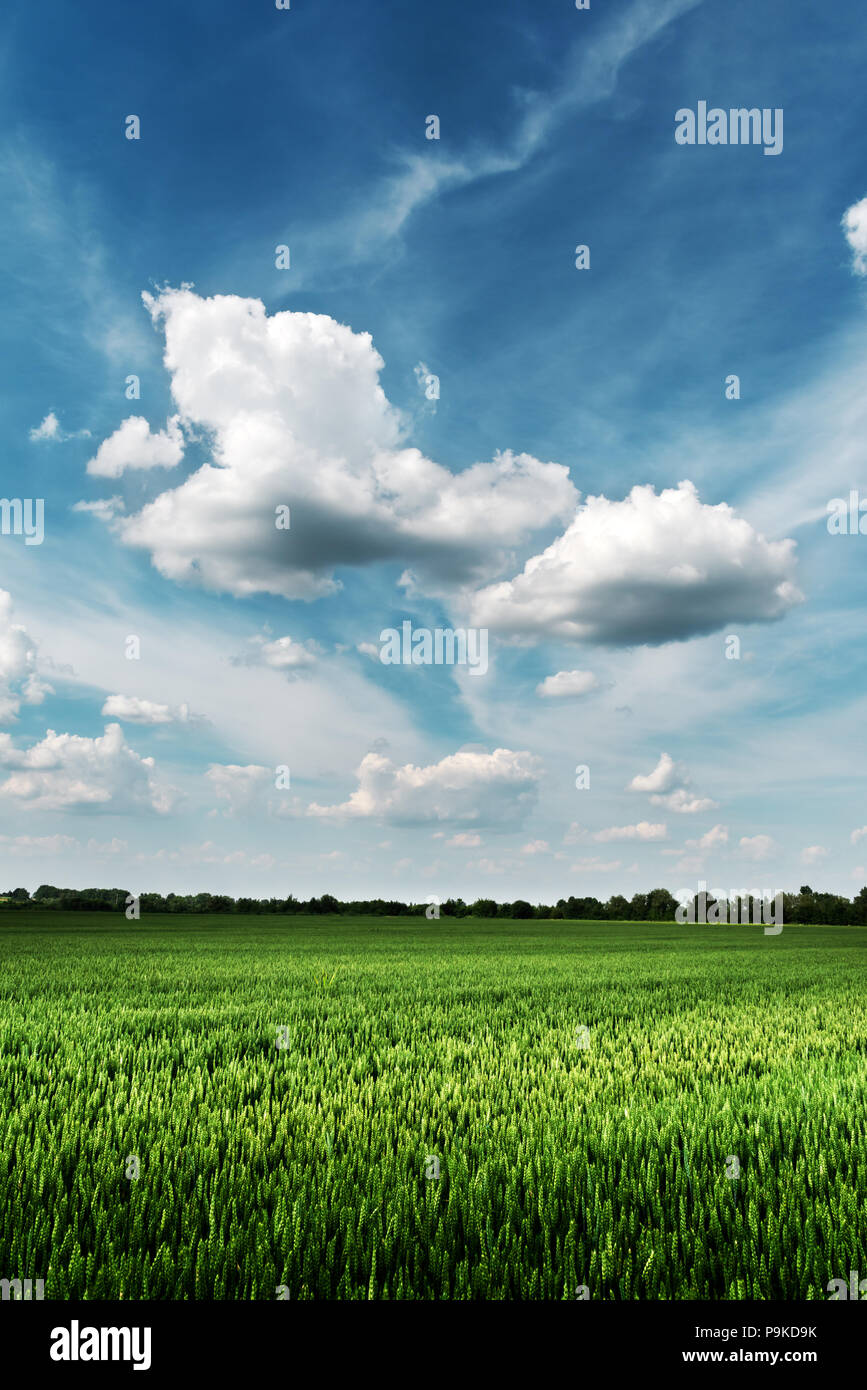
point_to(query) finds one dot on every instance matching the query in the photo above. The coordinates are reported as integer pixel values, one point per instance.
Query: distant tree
(454, 907)
(151, 902)
(520, 909)
(617, 908)
(45, 891)
(661, 905)
(484, 907)
(859, 907)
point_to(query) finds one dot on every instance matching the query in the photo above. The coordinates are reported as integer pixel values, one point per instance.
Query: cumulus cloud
(50, 431)
(649, 569)
(712, 839)
(661, 779)
(65, 772)
(496, 789)
(670, 786)
(20, 682)
(566, 685)
(282, 654)
(755, 847)
(133, 710)
(813, 854)
(719, 835)
(297, 418)
(642, 831)
(133, 446)
(536, 847)
(237, 787)
(855, 228)
(467, 839)
(858, 835)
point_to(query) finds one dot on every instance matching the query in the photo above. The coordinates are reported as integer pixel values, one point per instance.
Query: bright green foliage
(560, 1165)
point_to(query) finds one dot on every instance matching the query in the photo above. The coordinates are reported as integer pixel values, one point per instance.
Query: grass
(607, 1167)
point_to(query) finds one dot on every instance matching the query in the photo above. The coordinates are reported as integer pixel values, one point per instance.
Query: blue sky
(306, 386)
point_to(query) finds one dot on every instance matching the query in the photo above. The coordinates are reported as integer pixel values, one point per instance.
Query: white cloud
(719, 835)
(486, 866)
(596, 865)
(858, 835)
(855, 228)
(104, 508)
(112, 846)
(66, 772)
(237, 788)
(755, 847)
(39, 844)
(536, 847)
(661, 779)
(282, 654)
(567, 684)
(298, 419)
(368, 649)
(50, 431)
(466, 840)
(133, 446)
(20, 682)
(670, 785)
(133, 710)
(649, 569)
(813, 854)
(209, 853)
(642, 831)
(496, 789)
(684, 802)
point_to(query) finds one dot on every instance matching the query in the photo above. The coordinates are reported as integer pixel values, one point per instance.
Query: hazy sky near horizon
(467, 429)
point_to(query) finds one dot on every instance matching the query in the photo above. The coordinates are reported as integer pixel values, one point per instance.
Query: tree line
(656, 906)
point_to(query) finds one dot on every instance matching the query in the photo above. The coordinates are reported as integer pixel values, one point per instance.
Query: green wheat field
(615, 1110)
